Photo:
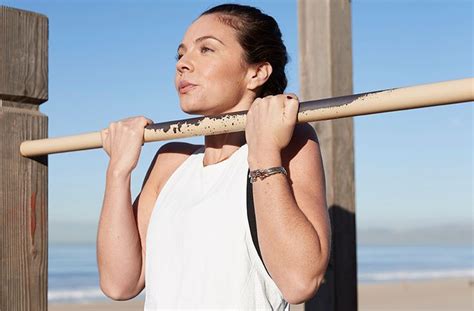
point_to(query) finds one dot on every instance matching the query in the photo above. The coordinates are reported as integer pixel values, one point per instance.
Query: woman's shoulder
(168, 158)
(172, 154)
(177, 149)
(303, 134)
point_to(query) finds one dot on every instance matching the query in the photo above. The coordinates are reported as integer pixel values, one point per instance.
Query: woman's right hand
(123, 141)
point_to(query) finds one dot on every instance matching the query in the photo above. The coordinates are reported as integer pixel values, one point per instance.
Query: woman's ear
(258, 75)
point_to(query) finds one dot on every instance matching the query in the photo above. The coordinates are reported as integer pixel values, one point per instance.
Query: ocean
(73, 275)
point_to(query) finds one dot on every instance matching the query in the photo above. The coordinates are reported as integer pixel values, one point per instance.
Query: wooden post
(326, 71)
(24, 182)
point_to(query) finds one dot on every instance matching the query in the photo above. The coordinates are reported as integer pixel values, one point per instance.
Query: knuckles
(267, 100)
(134, 124)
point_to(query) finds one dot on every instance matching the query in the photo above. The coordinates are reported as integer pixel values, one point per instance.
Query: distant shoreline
(449, 234)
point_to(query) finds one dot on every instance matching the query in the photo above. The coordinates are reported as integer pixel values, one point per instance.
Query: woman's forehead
(209, 25)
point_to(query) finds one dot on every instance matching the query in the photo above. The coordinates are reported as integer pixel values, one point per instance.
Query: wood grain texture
(23, 213)
(326, 71)
(24, 181)
(23, 56)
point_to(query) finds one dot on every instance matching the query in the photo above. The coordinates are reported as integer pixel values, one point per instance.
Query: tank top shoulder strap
(182, 166)
(198, 150)
(252, 219)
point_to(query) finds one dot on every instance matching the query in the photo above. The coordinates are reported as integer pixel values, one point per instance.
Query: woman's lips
(185, 86)
(186, 89)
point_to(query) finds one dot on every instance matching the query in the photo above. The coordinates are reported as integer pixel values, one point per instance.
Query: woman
(211, 237)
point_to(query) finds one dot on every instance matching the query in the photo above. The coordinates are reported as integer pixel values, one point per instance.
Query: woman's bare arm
(292, 218)
(119, 251)
(121, 240)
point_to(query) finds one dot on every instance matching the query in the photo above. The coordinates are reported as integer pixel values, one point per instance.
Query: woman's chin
(190, 108)
(195, 107)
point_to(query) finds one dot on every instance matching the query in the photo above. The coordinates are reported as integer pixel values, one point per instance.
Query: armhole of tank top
(252, 220)
(174, 173)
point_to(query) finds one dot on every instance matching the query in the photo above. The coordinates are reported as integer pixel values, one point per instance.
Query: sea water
(73, 274)
(411, 263)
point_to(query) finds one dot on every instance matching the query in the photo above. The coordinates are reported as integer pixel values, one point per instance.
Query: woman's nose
(184, 64)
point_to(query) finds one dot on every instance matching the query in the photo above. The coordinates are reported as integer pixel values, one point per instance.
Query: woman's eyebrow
(181, 46)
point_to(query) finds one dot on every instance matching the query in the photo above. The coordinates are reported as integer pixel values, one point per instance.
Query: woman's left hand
(270, 124)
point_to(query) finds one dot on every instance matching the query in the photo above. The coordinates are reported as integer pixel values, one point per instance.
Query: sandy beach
(440, 294)
(443, 294)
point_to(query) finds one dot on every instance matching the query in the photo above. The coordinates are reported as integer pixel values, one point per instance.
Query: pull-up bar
(418, 96)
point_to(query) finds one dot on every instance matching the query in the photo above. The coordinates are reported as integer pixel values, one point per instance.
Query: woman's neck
(222, 146)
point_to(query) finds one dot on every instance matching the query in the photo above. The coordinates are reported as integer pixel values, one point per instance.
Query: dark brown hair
(260, 38)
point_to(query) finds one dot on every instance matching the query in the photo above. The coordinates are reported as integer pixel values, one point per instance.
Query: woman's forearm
(290, 245)
(119, 251)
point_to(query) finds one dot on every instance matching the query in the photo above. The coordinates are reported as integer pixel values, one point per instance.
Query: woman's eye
(205, 49)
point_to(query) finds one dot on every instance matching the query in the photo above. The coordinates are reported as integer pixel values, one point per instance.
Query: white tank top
(200, 253)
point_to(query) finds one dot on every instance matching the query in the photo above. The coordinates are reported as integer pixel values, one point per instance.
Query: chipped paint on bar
(418, 96)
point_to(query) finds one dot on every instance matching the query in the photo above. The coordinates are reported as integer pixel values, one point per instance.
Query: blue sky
(114, 59)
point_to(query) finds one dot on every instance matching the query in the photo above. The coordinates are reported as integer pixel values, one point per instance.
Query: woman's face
(211, 76)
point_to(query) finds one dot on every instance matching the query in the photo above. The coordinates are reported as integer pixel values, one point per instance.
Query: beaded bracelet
(264, 173)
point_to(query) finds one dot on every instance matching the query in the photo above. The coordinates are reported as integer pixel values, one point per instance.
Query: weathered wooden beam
(325, 52)
(425, 95)
(23, 182)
